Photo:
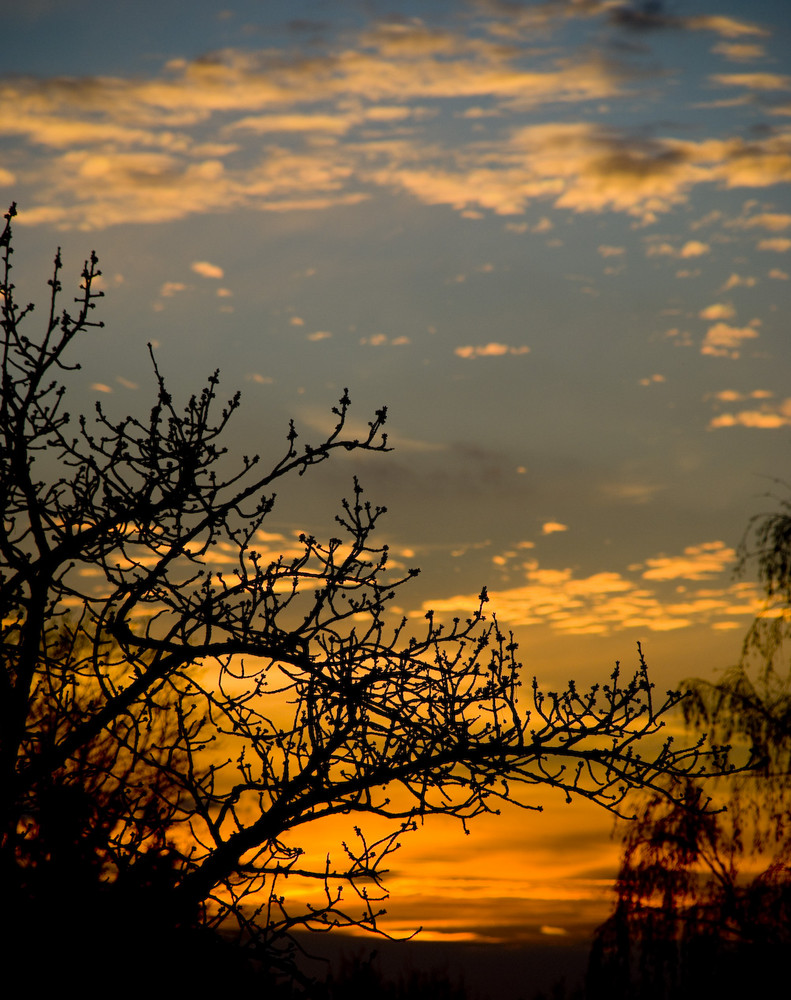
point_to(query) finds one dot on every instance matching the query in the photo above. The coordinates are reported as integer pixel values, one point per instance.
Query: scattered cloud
(608, 251)
(663, 593)
(779, 244)
(631, 492)
(763, 419)
(734, 396)
(382, 340)
(207, 270)
(724, 341)
(698, 562)
(550, 527)
(170, 288)
(776, 222)
(767, 416)
(724, 26)
(244, 129)
(492, 350)
(718, 310)
(737, 281)
(692, 248)
(778, 275)
(753, 81)
(739, 51)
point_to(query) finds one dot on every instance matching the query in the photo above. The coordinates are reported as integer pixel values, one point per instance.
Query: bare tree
(167, 728)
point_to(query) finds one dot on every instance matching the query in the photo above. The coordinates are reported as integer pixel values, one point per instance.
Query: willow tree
(177, 705)
(703, 896)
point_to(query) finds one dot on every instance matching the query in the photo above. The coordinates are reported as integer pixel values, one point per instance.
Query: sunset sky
(553, 237)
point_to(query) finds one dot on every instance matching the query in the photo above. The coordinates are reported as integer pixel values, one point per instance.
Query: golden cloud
(779, 244)
(774, 221)
(739, 51)
(606, 602)
(723, 25)
(158, 149)
(207, 270)
(753, 81)
(737, 280)
(698, 562)
(724, 341)
(550, 527)
(768, 417)
(489, 351)
(718, 310)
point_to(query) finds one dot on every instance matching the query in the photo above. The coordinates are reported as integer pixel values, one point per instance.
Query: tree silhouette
(703, 897)
(167, 726)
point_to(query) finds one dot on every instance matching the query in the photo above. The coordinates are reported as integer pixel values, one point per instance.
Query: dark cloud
(647, 15)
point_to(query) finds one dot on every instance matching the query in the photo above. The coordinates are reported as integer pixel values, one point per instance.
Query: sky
(554, 238)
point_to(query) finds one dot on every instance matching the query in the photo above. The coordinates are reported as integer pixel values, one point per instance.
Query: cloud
(768, 417)
(207, 270)
(698, 562)
(274, 131)
(381, 340)
(737, 280)
(734, 396)
(550, 527)
(739, 51)
(774, 221)
(765, 420)
(648, 596)
(778, 244)
(778, 274)
(718, 310)
(608, 251)
(645, 17)
(492, 350)
(692, 248)
(170, 288)
(724, 341)
(753, 81)
(631, 492)
(724, 25)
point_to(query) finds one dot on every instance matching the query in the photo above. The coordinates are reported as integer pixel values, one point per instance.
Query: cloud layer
(398, 108)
